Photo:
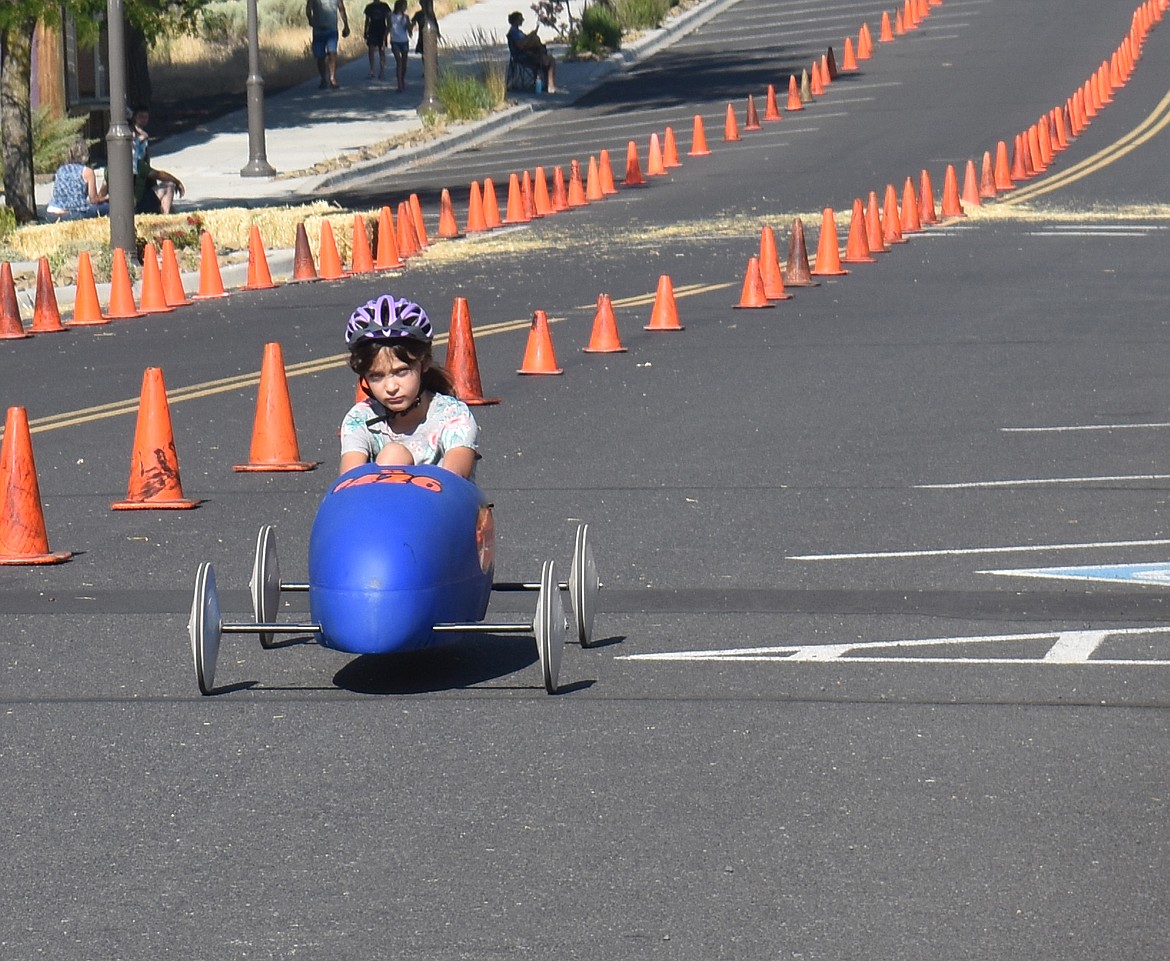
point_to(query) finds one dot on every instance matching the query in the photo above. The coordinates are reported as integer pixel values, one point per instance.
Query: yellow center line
(225, 385)
(1149, 128)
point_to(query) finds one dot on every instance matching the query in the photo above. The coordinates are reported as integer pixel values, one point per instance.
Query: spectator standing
(323, 17)
(377, 15)
(400, 30)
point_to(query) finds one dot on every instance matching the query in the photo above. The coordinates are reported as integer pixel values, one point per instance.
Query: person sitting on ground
(377, 17)
(322, 16)
(76, 193)
(528, 50)
(409, 416)
(154, 189)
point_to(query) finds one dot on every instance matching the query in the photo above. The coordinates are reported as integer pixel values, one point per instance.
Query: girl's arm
(459, 460)
(351, 459)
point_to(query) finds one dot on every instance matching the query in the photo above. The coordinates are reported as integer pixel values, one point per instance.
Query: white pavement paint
(1068, 648)
(958, 551)
(1040, 482)
(1074, 427)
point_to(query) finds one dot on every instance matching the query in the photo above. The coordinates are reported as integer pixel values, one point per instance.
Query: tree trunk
(16, 118)
(138, 90)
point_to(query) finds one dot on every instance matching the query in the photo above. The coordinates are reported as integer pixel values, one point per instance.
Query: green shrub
(599, 30)
(463, 96)
(53, 138)
(642, 14)
(7, 222)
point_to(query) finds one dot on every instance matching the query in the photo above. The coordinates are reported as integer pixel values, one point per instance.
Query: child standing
(409, 416)
(377, 15)
(400, 30)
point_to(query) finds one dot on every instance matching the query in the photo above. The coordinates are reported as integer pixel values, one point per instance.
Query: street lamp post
(119, 148)
(258, 165)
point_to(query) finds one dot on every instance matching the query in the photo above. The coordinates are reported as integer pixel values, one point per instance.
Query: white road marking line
(1069, 648)
(1041, 481)
(1085, 233)
(1072, 427)
(959, 551)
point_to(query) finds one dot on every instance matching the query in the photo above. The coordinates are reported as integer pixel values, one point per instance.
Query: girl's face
(394, 383)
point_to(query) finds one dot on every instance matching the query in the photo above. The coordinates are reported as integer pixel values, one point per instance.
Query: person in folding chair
(529, 53)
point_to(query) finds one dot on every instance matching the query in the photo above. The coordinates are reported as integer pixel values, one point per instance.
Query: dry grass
(192, 67)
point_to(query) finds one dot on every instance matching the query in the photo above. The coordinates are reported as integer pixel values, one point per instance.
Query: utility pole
(258, 165)
(430, 51)
(119, 138)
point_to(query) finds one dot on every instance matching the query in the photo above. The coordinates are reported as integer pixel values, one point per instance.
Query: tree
(18, 21)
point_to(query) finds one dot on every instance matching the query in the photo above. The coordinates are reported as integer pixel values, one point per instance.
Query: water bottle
(539, 84)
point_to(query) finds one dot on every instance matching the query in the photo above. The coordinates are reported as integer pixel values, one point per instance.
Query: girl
(400, 30)
(409, 416)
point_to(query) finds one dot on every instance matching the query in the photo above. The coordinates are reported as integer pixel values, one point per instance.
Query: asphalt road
(817, 725)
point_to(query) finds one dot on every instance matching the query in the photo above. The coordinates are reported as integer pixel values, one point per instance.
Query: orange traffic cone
(172, 278)
(1019, 167)
(796, 270)
(577, 196)
(698, 139)
(304, 269)
(670, 150)
(864, 43)
(448, 229)
(46, 316)
(850, 61)
(388, 256)
(771, 108)
(274, 434)
(491, 206)
(891, 218)
(86, 311)
(604, 338)
(560, 196)
(153, 300)
(951, 207)
(752, 119)
(210, 281)
(926, 212)
(886, 35)
(911, 223)
(361, 260)
(327, 254)
(794, 100)
(1003, 176)
(22, 521)
(857, 246)
(475, 219)
(873, 226)
(608, 187)
(259, 276)
(730, 126)
(987, 189)
(154, 463)
(517, 211)
(633, 176)
(664, 314)
(539, 357)
(970, 194)
(828, 261)
(121, 306)
(770, 271)
(593, 191)
(420, 225)
(540, 195)
(528, 195)
(816, 86)
(11, 327)
(752, 296)
(462, 363)
(409, 243)
(654, 165)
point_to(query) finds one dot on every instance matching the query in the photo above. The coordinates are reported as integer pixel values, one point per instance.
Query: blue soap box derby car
(400, 558)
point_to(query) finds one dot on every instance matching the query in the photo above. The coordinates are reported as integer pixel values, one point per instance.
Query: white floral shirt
(448, 425)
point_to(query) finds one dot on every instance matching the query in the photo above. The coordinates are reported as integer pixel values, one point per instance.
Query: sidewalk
(306, 126)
